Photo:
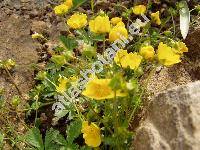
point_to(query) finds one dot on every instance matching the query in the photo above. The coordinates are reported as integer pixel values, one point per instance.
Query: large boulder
(172, 122)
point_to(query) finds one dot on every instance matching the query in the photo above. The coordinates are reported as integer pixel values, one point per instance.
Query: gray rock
(173, 121)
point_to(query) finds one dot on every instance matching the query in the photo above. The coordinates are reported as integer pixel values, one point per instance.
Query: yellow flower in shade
(117, 31)
(139, 9)
(91, 134)
(156, 18)
(61, 88)
(61, 9)
(166, 55)
(99, 89)
(147, 52)
(123, 59)
(181, 47)
(116, 20)
(69, 3)
(77, 21)
(100, 24)
(121, 54)
(37, 36)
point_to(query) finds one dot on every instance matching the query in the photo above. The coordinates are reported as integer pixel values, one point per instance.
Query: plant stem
(143, 90)
(92, 5)
(74, 104)
(16, 86)
(104, 45)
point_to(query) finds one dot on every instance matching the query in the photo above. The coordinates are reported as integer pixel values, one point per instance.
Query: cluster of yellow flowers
(171, 55)
(99, 89)
(63, 8)
(141, 9)
(124, 59)
(101, 24)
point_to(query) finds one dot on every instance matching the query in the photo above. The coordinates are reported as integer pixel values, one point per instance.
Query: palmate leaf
(184, 19)
(68, 42)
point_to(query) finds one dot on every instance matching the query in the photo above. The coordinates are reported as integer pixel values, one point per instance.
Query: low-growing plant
(100, 112)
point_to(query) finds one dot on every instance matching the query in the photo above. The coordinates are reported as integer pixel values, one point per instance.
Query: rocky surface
(18, 20)
(173, 121)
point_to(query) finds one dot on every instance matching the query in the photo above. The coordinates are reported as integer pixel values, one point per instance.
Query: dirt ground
(18, 20)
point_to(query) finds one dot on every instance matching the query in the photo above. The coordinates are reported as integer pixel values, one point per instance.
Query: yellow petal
(156, 18)
(77, 21)
(139, 10)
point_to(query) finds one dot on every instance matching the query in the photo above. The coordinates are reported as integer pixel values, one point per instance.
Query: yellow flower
(138, 10)
(120, 24)
(119, 56)
(181, 47)
(37, 36)
(77, 21)
(124, 59)
(69, 3)
(156, 18)
(100, 24)
(166, 55)
(91, 134)
(132, 60)
(116, 20)
(147, 52)
(9, 64)
(61, 88)
(99, 89)
(117, 31)
(61, 9)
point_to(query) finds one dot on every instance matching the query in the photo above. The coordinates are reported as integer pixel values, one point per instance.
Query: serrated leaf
(74, 130)
(54, 140)
(49, 138)
(68, 42)
(184, 19)
(34, 138)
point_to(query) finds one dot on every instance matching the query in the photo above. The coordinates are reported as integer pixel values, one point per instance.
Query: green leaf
(34, 138)
(69, 42)
(74, 130)
(1, 140)
(58, 59)
(54, 140)
(115, 83)
(96, 37)
(70, 146)
(78, 3)
(85, 148)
